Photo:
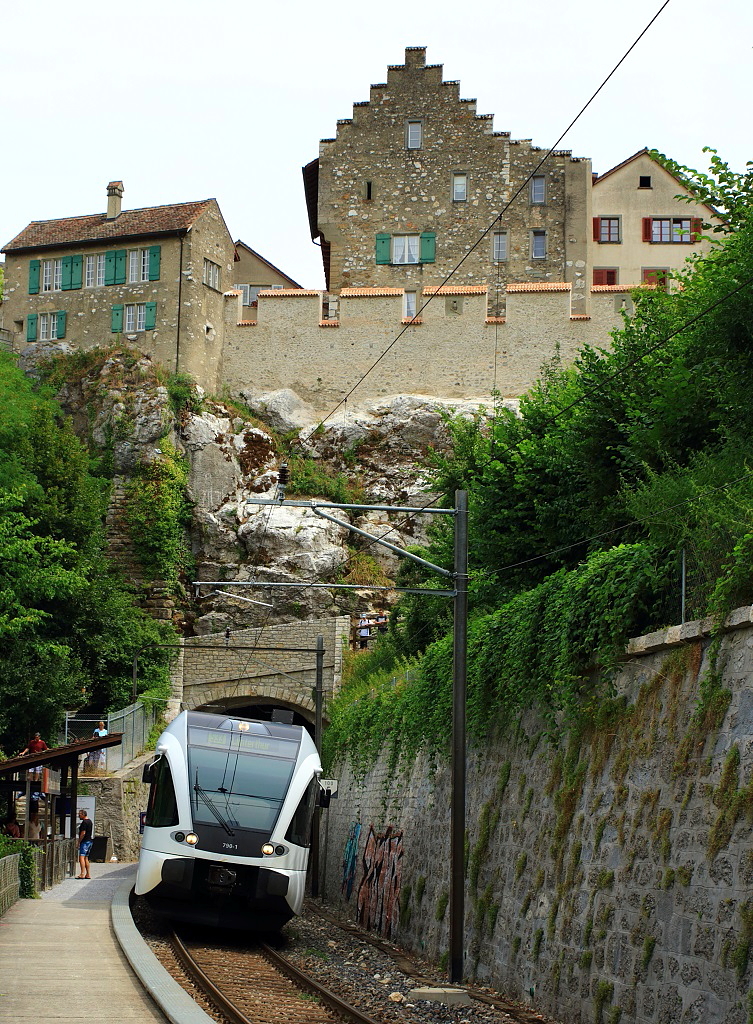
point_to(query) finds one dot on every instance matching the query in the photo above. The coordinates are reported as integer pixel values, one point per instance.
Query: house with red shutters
(642, 231)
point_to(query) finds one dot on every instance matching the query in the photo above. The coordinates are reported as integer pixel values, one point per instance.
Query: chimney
(114, 196)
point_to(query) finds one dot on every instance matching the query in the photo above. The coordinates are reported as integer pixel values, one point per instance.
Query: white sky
(189, 99)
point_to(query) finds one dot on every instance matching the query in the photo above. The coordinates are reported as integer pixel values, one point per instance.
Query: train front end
(228, 822)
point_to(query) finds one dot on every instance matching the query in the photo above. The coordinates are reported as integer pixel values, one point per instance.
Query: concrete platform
(74, 955)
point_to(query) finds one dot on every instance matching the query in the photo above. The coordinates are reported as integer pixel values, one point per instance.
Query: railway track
(259, 986)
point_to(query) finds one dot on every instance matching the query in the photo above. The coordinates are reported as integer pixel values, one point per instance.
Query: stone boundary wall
(610, 875)
(451, 354)
(211, 668)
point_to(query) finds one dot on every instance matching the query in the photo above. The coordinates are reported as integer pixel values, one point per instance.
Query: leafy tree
(726, 190)
(69, 624)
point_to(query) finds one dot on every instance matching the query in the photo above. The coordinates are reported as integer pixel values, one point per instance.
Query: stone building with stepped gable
(412, 180)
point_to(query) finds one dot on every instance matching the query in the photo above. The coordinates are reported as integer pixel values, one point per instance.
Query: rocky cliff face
(378, 454)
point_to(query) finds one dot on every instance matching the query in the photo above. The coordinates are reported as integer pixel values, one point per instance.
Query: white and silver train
(228, 822)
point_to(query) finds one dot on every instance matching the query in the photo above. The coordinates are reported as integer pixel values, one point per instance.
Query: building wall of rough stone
(188, 333)
(214, 670)
(202, 306)
(371, 182)
(455, 352)
(605, 873)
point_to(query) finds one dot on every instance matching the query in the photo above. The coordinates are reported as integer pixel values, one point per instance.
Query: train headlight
(192, 839)
(268, 849)
(242, 726)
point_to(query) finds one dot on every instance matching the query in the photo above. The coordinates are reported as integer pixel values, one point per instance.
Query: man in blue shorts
(85, 827)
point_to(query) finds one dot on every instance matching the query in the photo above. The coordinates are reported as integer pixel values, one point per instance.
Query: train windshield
(239, 780)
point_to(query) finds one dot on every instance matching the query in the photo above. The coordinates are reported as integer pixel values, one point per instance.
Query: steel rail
(335, 1003)
(200, 979)
(236, 1016)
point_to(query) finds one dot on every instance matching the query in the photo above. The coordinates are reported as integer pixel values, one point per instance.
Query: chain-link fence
(135, 723)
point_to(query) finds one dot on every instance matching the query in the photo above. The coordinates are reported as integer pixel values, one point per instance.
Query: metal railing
(9, 882)
(135, 723)
(54, 861)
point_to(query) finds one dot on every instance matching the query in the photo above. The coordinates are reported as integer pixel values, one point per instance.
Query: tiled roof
(495, 320)
(288, 293)
(361, 293)
(457, 289)
(580, 316)
(152, 220)
(539, 286)
(329, 323)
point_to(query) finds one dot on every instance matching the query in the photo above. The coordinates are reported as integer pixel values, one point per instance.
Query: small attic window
(644, 181)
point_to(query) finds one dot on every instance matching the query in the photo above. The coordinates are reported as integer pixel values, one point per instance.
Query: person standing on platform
(35, 746)
(100, 757)
(34, 829)
(85, 829)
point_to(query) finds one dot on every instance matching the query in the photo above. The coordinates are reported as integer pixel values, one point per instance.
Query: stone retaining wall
(610, 876)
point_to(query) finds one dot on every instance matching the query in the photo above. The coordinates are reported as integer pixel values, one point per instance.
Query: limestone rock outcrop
(376, 454)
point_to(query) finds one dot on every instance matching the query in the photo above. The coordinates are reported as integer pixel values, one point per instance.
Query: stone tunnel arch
(234, 674)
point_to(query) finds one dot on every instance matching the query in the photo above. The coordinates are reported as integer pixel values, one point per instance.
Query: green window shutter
(154, 261)
(77, 270)
(383, 248)
(116, 323)
(428, 246)
(61, 324)
(150, 316)
(31, 325)
(120, 266)
(109, 268)
(33, 277)
(65, 281)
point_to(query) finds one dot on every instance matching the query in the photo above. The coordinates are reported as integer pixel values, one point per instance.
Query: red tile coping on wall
(329, 323)
(456, 289)
(413, 321)
(247, 323)
(495, 320)
(580, 316)
(288, 293)
(539, 286)
(232, 291)
(615, 287)
(362, 293)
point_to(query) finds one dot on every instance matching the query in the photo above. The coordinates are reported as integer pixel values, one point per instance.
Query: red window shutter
(611, 276)
(597, 226)
(696, 227)
(600, 276)
(646, 221)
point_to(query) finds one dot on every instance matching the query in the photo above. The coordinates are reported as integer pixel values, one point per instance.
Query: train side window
(299, 829)
(162, 808)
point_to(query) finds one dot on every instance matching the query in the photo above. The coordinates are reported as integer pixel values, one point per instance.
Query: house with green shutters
(152, 278)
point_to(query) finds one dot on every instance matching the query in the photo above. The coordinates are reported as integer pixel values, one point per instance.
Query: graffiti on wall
(350, 854)
(377, 905)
